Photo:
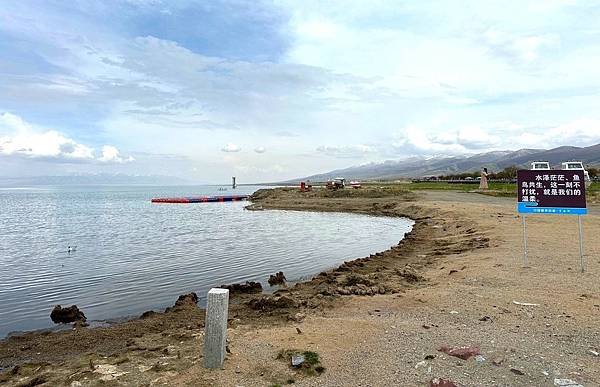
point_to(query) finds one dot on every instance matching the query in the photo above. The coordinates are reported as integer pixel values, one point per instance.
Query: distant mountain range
(443, 165)
(92, 179)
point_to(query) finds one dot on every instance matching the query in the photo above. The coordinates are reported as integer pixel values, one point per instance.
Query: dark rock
(66, 315)
(485, 318)
(516, 371)
(147, 314)
(249, 287)
(186, 299)
(357, 279)
(464, 353)
(277, 279)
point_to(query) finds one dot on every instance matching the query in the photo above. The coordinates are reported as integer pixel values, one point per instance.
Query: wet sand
(374, 321)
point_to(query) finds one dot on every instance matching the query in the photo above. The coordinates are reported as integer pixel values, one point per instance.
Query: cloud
(469, 139)
(580, 132)
(149, 75)
(260, 149)
(110, 154)
(231, 148)
(521, 48)
(498, 136)
(50, 144)
(25, 140)
(347, 151)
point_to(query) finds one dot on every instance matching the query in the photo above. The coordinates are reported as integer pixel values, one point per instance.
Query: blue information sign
(555, 192)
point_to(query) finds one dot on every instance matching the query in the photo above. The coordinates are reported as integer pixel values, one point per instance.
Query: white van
(577, 166)
(540, 166)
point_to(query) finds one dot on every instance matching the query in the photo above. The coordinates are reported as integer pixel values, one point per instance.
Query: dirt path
(453, 283)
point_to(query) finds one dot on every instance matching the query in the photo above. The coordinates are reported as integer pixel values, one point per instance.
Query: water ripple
(133, 256)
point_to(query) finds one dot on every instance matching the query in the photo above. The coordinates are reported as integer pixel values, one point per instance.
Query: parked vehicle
(305, 186)
(577, 166)
(337, 183)
(540, 166)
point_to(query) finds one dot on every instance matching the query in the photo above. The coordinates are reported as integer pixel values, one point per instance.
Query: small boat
(201, 199)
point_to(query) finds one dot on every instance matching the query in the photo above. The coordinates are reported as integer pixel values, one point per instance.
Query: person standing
(483, 183)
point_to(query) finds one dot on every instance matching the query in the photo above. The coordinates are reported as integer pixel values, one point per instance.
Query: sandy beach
(457, 280)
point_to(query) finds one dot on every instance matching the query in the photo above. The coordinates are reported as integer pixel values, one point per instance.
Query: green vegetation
(368, 191)
(495, 189)
(311, 358)
(443, 185)
(406, 190)
(311, 366)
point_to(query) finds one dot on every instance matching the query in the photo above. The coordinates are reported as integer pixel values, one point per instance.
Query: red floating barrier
(201, 199)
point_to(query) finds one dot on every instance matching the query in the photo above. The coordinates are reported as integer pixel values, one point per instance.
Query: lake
(133, 255)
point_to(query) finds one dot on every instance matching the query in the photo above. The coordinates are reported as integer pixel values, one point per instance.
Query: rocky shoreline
(178, 330)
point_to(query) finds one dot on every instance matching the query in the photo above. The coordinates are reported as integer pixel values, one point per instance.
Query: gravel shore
(456, 281)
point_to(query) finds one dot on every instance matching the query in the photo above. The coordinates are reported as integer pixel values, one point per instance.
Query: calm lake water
(133, 255)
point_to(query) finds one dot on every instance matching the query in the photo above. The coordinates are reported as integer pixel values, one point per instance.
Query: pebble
(566, 383)
(420, 364)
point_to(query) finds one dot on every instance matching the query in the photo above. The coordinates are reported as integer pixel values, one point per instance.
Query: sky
(266, 91)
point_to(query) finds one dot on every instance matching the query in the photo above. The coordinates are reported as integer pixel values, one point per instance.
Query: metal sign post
(525, 259)
(551, 192)
(582, 259)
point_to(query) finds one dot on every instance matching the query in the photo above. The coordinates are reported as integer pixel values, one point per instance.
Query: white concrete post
(215, 329)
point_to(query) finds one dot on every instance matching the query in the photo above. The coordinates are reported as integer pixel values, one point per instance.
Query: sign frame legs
(581, 257)
(525, 257)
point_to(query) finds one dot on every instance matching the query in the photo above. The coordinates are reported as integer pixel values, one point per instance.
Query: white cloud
(231, 148)
(110, 154)
(499, 136)
(345, 73)
(581, 132)
(415, 140)
(25, 140)
(50, 144)
(474, 137)
(347, 151)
